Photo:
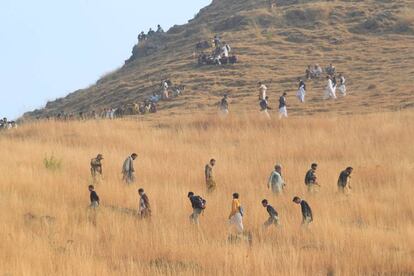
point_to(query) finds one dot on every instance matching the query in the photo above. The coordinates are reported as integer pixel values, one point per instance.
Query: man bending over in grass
(273, 215)
(307, 216)
(144, 205)
(344, 180)
(198, 204)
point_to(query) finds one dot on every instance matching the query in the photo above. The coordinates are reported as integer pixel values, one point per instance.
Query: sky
(49, 48)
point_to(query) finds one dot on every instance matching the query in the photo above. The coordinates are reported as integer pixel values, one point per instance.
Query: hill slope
(371, 42)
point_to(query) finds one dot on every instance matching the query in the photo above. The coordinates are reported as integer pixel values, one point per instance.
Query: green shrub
(51, 163)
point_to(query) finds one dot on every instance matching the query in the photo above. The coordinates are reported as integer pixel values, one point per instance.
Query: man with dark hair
(273, 215)
(159, 29)
(311, 180)
(344, 180)
(224, 105)
(307, 216)
(264, 106)
(144, 205)
(93, 197)
(208, 171)
(282, 106)
(301, 91)
(128, 170)
(198, 204)
(96, 167)
(236, 214)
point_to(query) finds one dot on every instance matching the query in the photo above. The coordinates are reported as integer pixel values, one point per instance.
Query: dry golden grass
(370, 231)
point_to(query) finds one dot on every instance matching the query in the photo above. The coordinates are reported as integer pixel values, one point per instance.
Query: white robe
(330, 91)
(342, 87)
(301, 94)
(237, 222)
(262, 92)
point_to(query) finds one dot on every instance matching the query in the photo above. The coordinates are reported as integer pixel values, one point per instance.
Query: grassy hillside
(47, 229)
(371, 42)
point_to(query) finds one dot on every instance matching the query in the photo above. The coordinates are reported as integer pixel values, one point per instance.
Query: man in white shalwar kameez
(342, 87)
(276, 182)
(128, 171)
(262, 91)
(301, 91)
(330, 92)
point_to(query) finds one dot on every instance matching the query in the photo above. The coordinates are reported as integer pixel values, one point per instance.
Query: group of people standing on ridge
(329, 93)
(275, 183)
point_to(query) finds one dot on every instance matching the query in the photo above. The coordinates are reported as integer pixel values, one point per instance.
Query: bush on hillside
(51, 163)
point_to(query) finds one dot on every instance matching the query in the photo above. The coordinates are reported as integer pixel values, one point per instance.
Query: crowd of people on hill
(334, 83)
(276, 183)
(219, 56)
(6, 124)
(165, 91)
(142, 36)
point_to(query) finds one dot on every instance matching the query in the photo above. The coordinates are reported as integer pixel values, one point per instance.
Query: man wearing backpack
(311, 181)
(198, 204)
(264, 107)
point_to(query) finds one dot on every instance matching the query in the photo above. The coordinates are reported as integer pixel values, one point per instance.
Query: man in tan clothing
(211, 184)
(96, 167)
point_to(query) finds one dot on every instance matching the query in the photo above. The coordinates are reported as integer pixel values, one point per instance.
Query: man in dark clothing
(96, 166)
(264, 107)
(273, 215)
(94, 197)
(307, 216)
(344, 180)
(282, 106)
(198, 204)
(144, 204)
(311, 180)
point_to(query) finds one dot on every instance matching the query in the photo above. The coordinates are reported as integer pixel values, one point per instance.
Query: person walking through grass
(144, 205)
(128, 171)
(276, 182)
(264, 107)
(330, 89)
(311, 181)
(236, 214)
(224, 105)
(198, 204)
(307, 216)
(93, 197)
(301, 93)
(273, 215)
(342, 87)
(208, 172)
(283, 106)
(344, 180)
(96, 167)
(262, 91)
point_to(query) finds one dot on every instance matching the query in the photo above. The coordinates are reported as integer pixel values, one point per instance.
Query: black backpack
(199, 202)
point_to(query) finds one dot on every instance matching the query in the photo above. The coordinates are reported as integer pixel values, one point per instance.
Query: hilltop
(371, 42)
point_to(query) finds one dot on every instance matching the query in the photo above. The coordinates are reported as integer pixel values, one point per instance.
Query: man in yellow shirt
(236, 215)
